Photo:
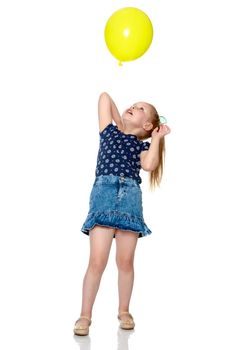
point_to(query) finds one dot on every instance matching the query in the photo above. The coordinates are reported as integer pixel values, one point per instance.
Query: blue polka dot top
(119, 153)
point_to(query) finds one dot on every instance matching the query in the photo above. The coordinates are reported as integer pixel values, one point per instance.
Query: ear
(148, 126)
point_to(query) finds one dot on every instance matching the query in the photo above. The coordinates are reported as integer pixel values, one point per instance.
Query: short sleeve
(145, 146)
(109, 128)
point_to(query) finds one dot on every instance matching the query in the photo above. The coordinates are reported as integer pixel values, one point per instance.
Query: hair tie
(162, 120)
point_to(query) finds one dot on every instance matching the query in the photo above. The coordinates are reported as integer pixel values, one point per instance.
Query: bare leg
(100, 244)
(126, 242)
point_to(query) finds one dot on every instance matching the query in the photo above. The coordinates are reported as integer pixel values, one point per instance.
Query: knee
(97, 265)
(124, 264)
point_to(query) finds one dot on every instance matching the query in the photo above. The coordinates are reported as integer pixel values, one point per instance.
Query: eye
(141, 108)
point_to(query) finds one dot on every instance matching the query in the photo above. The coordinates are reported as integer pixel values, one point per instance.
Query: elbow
(104, 95)
(149, 167)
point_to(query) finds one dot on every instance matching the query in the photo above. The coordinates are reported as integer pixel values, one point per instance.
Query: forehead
(143, 104)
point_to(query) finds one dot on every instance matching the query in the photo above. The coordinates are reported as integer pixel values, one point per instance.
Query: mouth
(129, 112)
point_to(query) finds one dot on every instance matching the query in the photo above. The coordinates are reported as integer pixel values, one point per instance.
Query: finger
(162, 127)
(165, 130)
(168, 130)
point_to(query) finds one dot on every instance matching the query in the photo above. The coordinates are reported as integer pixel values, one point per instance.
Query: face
(138, 114)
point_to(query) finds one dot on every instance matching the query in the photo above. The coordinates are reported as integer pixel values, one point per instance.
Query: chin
(126, 116)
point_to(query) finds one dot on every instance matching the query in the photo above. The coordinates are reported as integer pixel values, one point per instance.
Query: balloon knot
(120, 63)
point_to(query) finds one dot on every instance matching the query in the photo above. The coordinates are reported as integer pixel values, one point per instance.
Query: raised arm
(150, 159)
(107, 111)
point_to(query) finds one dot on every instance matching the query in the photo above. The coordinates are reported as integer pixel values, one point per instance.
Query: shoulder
(108, 129)
(144, 151)
(144, 145)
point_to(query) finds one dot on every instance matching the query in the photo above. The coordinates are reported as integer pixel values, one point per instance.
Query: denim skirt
(116, 201)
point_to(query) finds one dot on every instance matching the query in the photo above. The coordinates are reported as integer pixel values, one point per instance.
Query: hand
(161, 131)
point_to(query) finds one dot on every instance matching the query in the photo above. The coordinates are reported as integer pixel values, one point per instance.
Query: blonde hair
(155, 176)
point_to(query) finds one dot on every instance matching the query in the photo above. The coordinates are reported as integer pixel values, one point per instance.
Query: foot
(82, 325)
(126, 320)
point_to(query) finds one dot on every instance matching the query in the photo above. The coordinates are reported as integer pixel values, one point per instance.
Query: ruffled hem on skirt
(117, 220)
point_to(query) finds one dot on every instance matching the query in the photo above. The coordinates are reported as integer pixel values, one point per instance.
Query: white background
(54, 64)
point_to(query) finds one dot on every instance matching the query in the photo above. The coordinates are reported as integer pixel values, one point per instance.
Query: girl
(116, 201)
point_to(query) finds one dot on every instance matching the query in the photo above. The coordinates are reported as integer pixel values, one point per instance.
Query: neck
(129, 129)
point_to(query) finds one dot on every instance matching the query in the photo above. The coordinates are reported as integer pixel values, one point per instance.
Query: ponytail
(155, 176)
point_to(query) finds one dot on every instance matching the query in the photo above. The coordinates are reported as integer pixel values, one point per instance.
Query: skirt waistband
(113, 179)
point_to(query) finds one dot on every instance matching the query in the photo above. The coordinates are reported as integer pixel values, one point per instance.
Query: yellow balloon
(128, 34)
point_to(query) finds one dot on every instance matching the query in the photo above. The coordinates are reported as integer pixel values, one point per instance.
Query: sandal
(80, 329)
(128, 323)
